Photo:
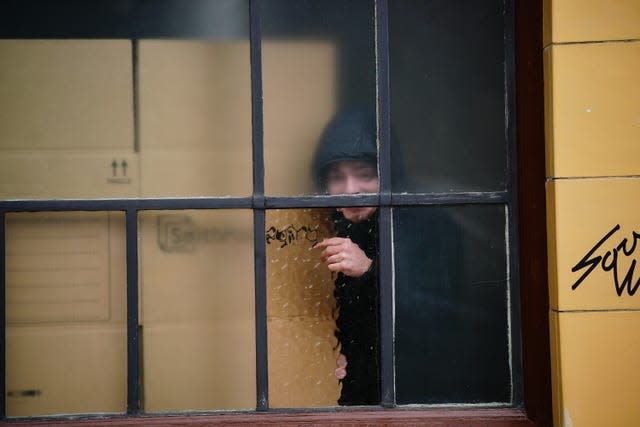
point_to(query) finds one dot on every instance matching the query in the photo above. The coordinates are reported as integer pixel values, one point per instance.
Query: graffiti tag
(290, 234)
(608, 261)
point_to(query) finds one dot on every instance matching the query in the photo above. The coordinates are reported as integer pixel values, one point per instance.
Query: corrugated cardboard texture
(67, 117)
(195, 118)
(66, 94)
(66, 324)
(295, 110)
(302, 354)
(197, 313)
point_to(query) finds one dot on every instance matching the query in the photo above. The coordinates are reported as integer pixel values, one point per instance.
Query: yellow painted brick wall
(592, 115)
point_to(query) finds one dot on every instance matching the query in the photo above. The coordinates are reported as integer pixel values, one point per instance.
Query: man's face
(353, 177)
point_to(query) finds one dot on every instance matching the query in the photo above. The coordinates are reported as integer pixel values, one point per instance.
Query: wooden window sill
(344, 417)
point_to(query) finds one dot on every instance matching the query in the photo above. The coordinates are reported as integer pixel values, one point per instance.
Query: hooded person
(345, 162)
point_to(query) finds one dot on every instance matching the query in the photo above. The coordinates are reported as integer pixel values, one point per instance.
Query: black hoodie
(351, 136)
(357, 321)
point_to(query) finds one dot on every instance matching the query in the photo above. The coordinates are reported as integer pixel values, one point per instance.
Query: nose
(352, 185)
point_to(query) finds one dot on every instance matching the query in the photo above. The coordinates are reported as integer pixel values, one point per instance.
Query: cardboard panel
(195, 117)
(197, 297)
(298, 284)
(68, 174)
(195, 172)
(67, 122)
(592, 109)
(66, 119)
(589, 20)
(302, 362)
(196, 265)
(66, 369)
(596, 381)
(300, 309)
(66, 313)
(593, 232)
(197, 310)
(199, 365)
(57, 267)
(66, 94)
(300, 97)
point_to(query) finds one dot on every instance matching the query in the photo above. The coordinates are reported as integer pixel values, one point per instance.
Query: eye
(334, 176)
(367, 174)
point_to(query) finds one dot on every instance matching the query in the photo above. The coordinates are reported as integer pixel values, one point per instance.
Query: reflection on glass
(322, 293)
(317, 59)
(66, 313)
(451, 304)
(447, 106)
(197, 310)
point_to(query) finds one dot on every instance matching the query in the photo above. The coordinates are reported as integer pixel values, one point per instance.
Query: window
(198, 128)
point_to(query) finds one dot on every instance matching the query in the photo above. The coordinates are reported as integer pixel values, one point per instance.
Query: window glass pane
(195, 117)
(314, 314)
(66, 313)
(447, 89)
(452, 318)
(66, 119)
(147, 101)
(317, 60)
(125, 19)
(197, 320)
(300, 306)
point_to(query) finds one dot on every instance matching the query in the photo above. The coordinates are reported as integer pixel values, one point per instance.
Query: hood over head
(351, 135)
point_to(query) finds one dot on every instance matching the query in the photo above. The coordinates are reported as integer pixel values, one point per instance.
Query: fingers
(338, 262)
(341, 363)
(332, 241)
(337, 267)
(334, 247)
(339, 257)
(342, 255)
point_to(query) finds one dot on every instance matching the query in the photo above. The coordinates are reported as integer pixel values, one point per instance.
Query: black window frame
(258, 202)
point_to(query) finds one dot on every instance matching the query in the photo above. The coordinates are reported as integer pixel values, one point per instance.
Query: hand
(341, 363)
(342, 255)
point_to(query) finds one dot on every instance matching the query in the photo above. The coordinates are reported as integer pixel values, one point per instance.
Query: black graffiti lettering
(312, 235)
(610, 262)
(626, 252)
(589, 262)
(290, 234)
(626, 282)
(609, 266)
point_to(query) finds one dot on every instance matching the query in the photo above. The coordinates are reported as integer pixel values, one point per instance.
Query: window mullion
(262, 377)
(448, 199)
(517, 394)
(385, 233)
(258, 203)
(133, 359)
